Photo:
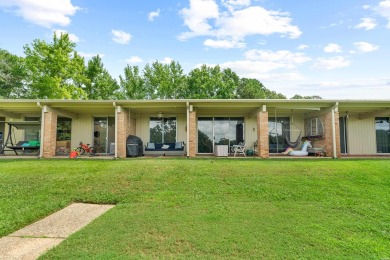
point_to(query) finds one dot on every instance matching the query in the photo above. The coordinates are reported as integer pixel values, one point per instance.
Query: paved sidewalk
(37, 238)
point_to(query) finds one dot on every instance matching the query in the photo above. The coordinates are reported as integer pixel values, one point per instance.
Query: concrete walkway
(37, 238)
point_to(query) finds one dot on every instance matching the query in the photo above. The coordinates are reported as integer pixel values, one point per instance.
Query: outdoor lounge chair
(239, 149)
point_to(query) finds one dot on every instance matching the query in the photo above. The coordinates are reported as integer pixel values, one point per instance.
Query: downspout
(188, 130)
(334, 109)
(116, 130)
(42, 129)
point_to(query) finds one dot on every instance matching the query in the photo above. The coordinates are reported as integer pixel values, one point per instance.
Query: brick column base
(122, 131)
(192, 134)
(49, 135)
(262, 135)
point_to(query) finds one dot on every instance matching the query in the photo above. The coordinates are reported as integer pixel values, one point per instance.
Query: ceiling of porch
(361, 108)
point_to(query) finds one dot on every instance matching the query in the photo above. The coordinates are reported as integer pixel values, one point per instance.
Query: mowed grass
(208, 208)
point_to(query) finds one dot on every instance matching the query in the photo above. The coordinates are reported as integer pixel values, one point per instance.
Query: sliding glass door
(219, 130)
(382, 128)
(277, 141)
(104, 134)
(343, 134)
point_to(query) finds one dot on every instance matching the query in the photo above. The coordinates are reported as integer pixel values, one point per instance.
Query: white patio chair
(239, 149)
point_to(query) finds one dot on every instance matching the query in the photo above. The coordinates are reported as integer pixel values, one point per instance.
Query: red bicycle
(85, 148)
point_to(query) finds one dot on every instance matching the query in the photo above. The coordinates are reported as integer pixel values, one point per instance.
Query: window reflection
(382, 128)
(220, 131)
(277, 141)
(162, 130)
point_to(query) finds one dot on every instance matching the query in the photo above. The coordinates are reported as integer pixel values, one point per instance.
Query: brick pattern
(50, 135)
(326, 141)
(262, 135)
(122, 128)
(192, 134)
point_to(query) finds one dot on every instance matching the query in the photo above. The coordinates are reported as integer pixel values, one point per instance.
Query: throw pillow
(165, 146)
(178, 145)
(151, 146)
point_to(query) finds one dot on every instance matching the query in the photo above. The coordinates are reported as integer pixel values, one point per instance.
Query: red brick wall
(50, 135)
(122, 128)
(262, 135)
(192, 134)
(326, 141)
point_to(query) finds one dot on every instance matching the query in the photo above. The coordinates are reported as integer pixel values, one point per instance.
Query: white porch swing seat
(239, 149)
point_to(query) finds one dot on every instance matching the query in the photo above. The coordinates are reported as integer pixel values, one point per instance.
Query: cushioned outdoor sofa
(166, 149)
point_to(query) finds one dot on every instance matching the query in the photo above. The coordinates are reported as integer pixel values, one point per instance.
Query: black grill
(134, 146)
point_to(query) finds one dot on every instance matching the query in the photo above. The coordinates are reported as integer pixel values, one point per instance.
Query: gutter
(42, 129)
(334, 109)
(116, 130)
(188, 129)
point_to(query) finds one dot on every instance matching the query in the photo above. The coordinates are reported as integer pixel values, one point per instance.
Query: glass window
(382, 128)
(162, 130)
(64, 127)
(343, 134)
(205, 135)
(31, 134)
(220, 131)
(277, 141)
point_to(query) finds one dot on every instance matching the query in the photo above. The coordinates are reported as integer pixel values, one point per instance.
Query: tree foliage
(12, 75)
(132, 84)
(212, 82)
(55, 70)
(99, 83)
(296, 96)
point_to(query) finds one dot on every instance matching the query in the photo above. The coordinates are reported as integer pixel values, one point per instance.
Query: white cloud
(232, 5)
(167, 60)
(283, 57)
(331, 63)
(268, 65)
(196, 18)
(302, 47)
(262, 70)
(153, 15)
(367, 24)
(332, 47)
(89, 55)
(121, 37)
(365, 46)
(383, 9)
(225, 44)
(72, 37)
(45, 13)
(358, 88)
(203, 18)
(134, 59)
(256, 20)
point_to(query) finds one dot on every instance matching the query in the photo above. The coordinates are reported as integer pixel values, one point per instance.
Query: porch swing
(292, 129)
(31, 146)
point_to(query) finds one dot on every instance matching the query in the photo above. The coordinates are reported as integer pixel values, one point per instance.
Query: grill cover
(134, 146)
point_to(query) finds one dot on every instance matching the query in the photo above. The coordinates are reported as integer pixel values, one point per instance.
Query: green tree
(132, 83)
(55, 70)
(271, 94)
(164, 81)
(210, 82)
(250, 89)
(296, 96)
(100, 84)
(12, 75)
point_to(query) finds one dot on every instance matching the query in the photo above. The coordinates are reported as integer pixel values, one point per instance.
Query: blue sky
(334, 49)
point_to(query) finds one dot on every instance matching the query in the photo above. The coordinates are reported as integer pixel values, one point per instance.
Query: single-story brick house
(339, 127)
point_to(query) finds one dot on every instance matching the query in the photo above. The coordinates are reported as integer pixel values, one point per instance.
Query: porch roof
(363, 108)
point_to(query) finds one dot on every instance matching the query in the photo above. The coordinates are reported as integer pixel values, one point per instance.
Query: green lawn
(208, 208)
